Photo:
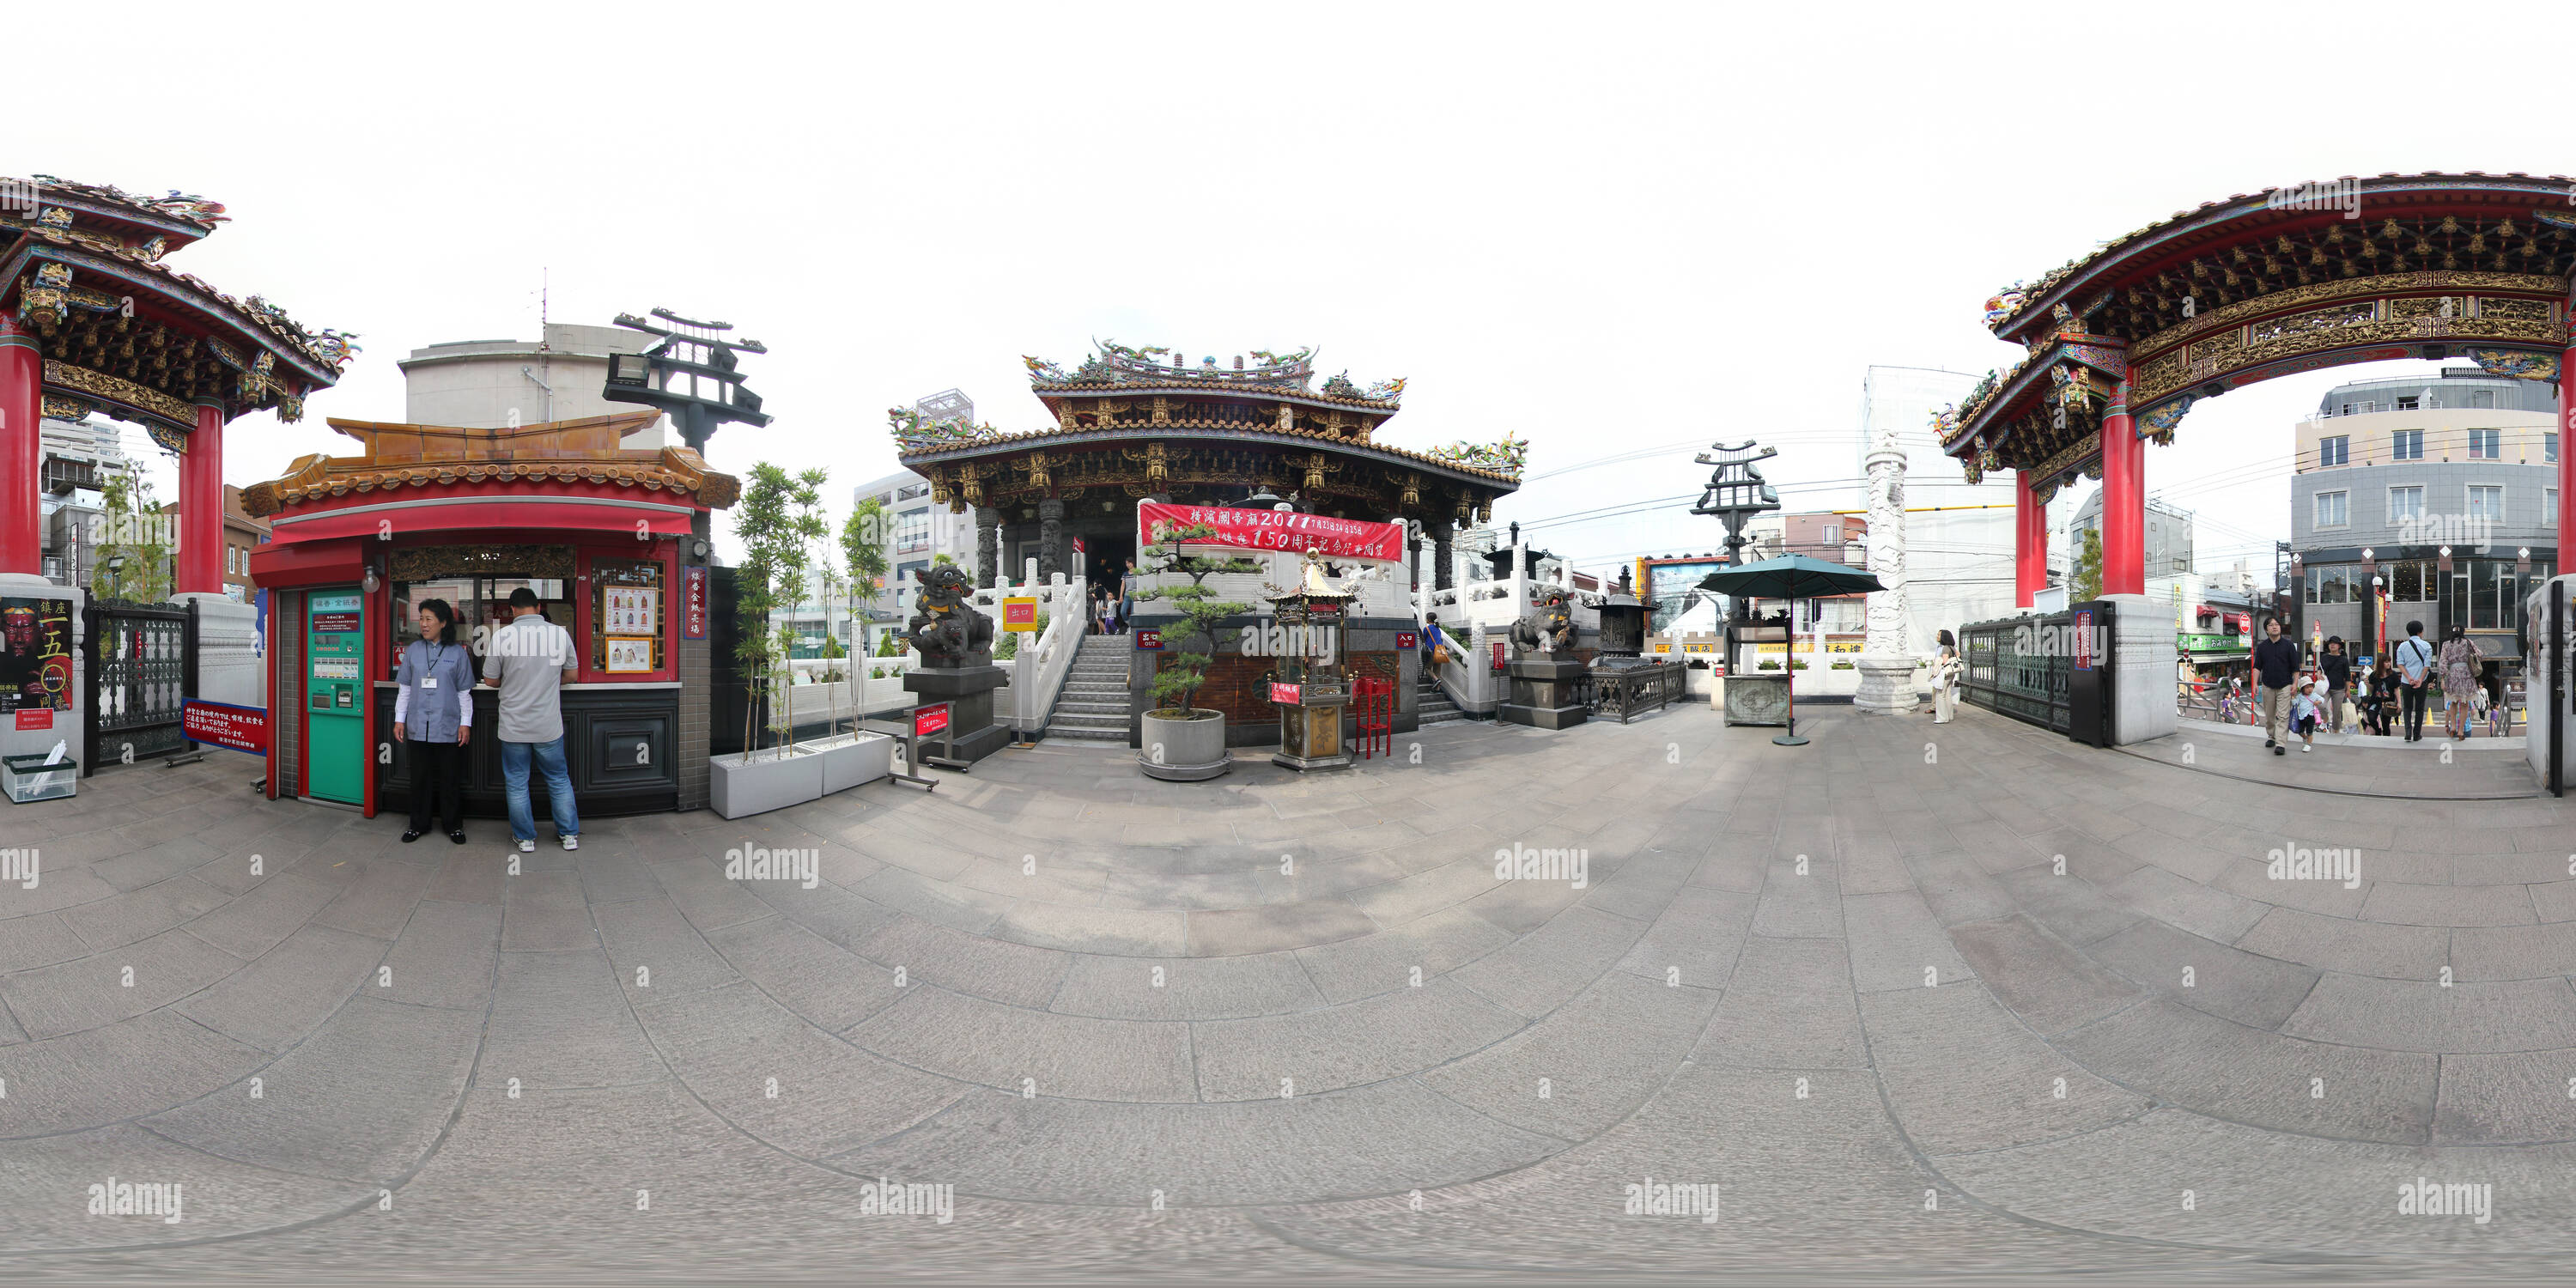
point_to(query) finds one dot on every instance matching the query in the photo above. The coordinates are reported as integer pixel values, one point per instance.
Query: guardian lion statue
(1547, 630)
(949, 633)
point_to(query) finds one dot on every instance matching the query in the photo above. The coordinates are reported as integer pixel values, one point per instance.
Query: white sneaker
(528, 846)
(572, 842)
(2307, 747)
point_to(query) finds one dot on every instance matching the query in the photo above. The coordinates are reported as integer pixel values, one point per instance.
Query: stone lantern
(1309, 685)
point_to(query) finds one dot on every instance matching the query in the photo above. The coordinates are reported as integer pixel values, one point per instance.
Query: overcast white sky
(1606, 227)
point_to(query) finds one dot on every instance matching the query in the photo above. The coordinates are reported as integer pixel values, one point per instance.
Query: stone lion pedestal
(968, 691)
(1542, 693)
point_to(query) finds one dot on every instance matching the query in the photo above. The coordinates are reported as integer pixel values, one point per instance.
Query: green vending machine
(335, 697)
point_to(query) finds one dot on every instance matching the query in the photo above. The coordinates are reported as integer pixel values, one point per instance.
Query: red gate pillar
(201, 505)
(2030, 543)
(2566, 432)
(2124, 501)
(22, 402)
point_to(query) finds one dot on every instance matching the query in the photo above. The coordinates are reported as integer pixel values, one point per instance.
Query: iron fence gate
(141, 663)
(2005, 675)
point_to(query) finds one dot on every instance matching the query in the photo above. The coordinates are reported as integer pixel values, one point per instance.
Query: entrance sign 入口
(1020, 613)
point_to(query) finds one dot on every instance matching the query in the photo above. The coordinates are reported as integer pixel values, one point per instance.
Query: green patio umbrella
(1790, 577)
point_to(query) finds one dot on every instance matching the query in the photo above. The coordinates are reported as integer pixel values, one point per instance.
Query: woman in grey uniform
(434, 713)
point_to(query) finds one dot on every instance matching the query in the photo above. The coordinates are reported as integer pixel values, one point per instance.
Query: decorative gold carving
(61, 408)
(2349, 288)
(118, 390)
(1287, 418)
(1036, 468)
(2383, 321)
(1411, 498)
(1162, 411)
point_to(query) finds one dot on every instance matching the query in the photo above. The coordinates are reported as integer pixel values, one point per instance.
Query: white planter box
(765, 781)
(852, 759)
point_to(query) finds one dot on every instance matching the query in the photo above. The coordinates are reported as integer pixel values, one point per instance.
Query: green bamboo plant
(1177, 684)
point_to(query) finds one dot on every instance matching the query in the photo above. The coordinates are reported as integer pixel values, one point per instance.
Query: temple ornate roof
(565, 451)
(1114, 366)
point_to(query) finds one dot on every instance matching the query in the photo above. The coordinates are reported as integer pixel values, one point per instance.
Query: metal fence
(2000, 678)
(141, 663)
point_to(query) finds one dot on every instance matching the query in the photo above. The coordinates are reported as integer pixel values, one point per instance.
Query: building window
(2485, 444)
(2486, 501)
(2408, 402)
(2482, 398)
(912, 532)
(2405, 503)
(2328, 585)
(2406, 582)
(2406, 445)
(1833, 534)
(2333, 510)
(2549, 448)
(2549, 508)
(2334, 450)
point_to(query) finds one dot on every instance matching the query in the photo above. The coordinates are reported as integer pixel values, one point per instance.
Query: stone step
(1064, 709)
(1443, 717)
(1066, 734)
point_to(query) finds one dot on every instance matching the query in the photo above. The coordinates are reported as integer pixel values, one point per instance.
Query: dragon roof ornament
(1506, 457)
(914, 431)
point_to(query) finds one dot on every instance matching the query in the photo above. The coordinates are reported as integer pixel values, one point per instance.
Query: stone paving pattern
(1971, 1000)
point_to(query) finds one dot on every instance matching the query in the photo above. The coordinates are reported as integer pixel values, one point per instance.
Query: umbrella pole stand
(1791, 738)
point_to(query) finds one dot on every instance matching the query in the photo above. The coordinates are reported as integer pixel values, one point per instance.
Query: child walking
(2305, 715)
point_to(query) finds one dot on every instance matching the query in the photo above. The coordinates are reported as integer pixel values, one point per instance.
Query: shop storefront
(600, 535)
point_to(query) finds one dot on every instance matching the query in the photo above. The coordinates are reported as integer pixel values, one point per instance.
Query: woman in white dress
(1945, 680)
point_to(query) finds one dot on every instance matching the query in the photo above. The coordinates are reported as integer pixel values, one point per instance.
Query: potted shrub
(770, 579)
(850, 757)
(1183, 742)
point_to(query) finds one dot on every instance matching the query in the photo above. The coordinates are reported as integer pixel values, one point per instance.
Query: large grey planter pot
(767, 780)
(852, 759)
(1184, 751)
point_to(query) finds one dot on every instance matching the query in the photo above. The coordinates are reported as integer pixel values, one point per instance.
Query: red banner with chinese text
(1274, 530)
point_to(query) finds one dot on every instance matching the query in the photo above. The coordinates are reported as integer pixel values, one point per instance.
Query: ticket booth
(601, 535)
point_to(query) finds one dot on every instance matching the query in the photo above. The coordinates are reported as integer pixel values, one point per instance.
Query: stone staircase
(1432, 704)
(1093, 704)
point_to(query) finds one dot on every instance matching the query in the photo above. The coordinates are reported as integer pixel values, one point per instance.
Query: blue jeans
(514, 781)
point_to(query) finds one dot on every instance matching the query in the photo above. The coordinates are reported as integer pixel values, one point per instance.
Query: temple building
(1137, 424)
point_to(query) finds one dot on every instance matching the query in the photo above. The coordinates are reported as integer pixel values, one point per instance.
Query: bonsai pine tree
(1184, 672)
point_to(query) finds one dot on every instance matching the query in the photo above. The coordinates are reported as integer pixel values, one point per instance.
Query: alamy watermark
(882, 1197)
(1522, 863)
(2334, 194)
(18, 865)
(1674, 1198)
(2293, 862)
(2422, 1197)
(2051, 639)
(20, 197)
(2474, 531)
(748, 862)
(138, 1198)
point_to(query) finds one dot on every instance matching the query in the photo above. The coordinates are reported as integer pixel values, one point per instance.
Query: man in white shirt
(531, 660)
(2414, 675)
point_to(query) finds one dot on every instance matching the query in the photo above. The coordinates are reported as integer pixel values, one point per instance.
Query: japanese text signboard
(929, 719)
(693, 613)
(225, 725)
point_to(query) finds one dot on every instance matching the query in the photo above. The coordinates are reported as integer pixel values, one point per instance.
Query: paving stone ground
(1966, 1002)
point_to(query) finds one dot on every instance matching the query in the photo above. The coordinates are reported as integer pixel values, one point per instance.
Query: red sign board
(2084, 639)
(1019, 611)
(1286, 694)
(1498, 655)
(929, 719)
(43, 719)
(1407, 639)
(225, 725)
(1274, 530)
(693, 612)
(1149, 638)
